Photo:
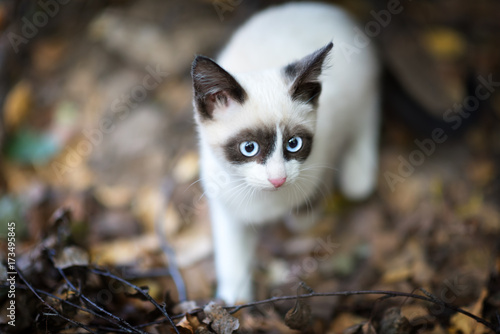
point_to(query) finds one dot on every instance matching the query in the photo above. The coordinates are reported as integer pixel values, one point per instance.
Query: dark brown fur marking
(304, 75)
(265, 137)
(307, 142)
(212, 85)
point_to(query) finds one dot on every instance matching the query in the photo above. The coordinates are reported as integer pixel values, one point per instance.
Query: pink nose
(277, 182)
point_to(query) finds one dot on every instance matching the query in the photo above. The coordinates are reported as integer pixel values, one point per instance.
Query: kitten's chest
(257, 208)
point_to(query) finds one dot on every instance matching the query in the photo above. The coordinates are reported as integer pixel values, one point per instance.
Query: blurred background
(96, 118)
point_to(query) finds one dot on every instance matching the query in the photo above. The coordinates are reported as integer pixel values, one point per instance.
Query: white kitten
(273, 119)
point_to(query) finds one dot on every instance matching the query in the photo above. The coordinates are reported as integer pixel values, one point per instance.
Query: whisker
(192, 184)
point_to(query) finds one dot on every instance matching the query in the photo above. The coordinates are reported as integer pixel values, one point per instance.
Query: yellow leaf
(17, 105)
(443, 42)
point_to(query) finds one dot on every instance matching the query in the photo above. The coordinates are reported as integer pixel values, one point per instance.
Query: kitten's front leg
(234, 246)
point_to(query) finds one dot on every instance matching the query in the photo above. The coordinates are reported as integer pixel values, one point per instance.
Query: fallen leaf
(190, 323)
(221, 321)
(299, 317)
(460, 323)
(71, 256)
(393, 322)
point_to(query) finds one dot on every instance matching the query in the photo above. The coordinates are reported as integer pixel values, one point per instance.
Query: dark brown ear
(304, 75)
(213, 86)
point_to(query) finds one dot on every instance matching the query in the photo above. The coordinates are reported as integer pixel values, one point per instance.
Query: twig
(234, 309)
(67, 302)
(56, 313)
(141, 291)
(389, 294)
(173, 268)
(131, 329)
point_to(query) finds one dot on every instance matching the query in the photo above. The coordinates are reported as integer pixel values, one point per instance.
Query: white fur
(346, 122)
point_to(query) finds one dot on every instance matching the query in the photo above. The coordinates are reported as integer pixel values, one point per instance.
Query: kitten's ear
(304, 75)
(213, 87)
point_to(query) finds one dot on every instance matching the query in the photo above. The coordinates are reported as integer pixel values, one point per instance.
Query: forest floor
(99, 180)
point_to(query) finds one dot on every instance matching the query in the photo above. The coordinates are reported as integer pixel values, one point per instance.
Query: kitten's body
(343, 120)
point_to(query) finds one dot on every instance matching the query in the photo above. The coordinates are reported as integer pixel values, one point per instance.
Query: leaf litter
(88, 251)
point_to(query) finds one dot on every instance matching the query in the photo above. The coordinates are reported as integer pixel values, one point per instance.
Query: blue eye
(249, 148)
(294, 144)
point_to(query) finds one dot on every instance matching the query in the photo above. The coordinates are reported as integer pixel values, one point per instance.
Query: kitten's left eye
(249, 148)
(294, 144)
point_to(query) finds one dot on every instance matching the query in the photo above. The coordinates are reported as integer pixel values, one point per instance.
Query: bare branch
(138, 289)
(56, 313)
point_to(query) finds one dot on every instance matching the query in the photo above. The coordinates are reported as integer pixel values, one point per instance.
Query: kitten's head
(260, 125)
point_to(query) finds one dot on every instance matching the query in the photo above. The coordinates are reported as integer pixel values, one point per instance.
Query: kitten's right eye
(249, 148)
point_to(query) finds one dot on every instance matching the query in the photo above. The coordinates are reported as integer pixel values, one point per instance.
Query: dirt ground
(99, 171)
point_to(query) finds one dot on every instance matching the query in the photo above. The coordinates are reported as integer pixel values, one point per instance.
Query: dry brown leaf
(460, 323)
(181, 330)
(394, 323)
(71, 256)
(299, 317)
(190, 324)
(221, 321)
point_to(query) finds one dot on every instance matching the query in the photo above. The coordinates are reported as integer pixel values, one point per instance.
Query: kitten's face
(260, 125)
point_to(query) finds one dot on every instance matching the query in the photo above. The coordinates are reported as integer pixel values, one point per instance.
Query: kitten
(274, 114)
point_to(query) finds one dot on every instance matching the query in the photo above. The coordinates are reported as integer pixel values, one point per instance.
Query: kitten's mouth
(271, 189)
(275, 189)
